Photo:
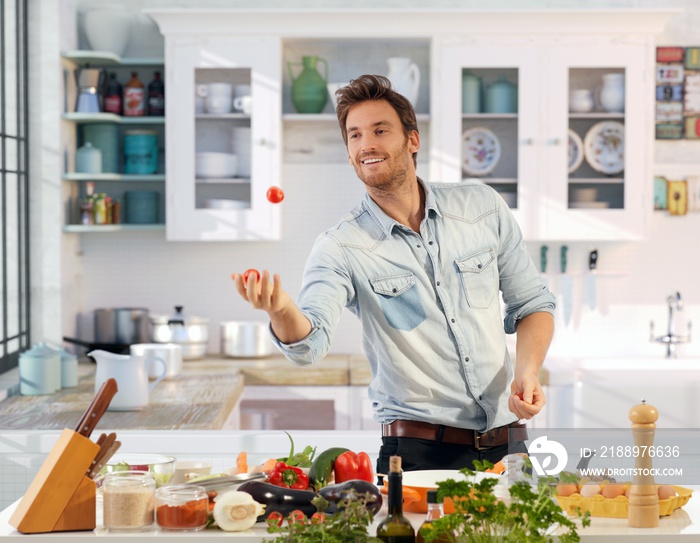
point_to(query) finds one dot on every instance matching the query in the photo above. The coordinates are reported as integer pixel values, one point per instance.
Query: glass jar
(128, 498)
(183, 508)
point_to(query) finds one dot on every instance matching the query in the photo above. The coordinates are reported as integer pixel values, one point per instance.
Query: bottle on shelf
(156, 96)
(395, 527)
(113, 95)
(435, 511)
(134, 97)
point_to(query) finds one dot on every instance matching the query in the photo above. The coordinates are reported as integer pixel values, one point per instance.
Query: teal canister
(471, 93)
(501, 97)
(141, 207)
(88, 159)
(309, 90)
(105, 137)
(140, 152)
(39, 371)
(69, 369)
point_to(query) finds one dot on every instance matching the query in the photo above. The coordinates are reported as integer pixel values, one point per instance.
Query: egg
(566, 489)
(612, 491)
(666, 492)
(590, 489)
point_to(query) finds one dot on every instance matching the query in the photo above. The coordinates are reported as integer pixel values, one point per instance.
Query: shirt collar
(387, 223)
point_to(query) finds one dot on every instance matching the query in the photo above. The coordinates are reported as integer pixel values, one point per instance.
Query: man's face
(377, 147)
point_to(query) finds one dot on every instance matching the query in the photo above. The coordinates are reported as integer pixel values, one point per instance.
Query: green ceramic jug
(309, 91)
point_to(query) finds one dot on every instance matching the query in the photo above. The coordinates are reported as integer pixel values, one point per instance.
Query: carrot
(266, 467)
(242, 462)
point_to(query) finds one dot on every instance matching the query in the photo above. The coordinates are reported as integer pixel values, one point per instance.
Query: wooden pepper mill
(643, 496)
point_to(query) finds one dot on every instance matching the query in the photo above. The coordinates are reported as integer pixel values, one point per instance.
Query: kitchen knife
(97, 408)
(591, 280)
(567, 286)
(106, 443)
(104, 458)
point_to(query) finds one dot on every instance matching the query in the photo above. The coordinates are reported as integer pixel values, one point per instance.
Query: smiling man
(421, 265)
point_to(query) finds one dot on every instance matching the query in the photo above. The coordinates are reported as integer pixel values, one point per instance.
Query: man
(421, 266)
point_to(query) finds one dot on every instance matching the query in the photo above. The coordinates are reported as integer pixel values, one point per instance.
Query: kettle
(131, 375)
(90, 83)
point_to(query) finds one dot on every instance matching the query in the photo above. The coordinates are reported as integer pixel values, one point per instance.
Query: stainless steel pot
(191, 333)
(245, 339)
(123, 325)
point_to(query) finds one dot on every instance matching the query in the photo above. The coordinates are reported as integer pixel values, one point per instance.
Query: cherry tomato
(296, 517)
(318, 518)
(247, 273)
(139, 467)
(274, 519)
(275, 195)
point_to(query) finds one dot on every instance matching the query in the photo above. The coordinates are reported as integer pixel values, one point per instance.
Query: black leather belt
(456, 436)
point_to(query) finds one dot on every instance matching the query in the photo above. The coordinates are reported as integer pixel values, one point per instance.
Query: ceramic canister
(105, 137)
(501, 97)
(140, 152)
(88, 159)
(141, 207)
(69, 370)
(39, 371)
(471, 93)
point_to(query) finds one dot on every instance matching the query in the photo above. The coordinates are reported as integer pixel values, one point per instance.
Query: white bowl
(226, 204)
(108, 29)
(215, 165)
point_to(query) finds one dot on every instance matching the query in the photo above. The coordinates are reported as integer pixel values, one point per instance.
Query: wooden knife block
(61, 497)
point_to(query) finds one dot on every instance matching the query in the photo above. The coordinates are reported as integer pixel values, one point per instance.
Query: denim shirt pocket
(400, 300)
(479, 275)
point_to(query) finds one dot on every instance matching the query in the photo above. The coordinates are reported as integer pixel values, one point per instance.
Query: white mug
(244, 104)
(170, 353)
(217, 97)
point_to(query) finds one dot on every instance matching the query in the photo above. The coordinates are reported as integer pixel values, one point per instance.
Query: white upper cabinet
(223, 138)
(560, 129)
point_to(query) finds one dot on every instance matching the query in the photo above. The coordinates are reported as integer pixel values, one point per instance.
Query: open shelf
(88, 118)
(105, 58)
(127, 178)
(102, 228)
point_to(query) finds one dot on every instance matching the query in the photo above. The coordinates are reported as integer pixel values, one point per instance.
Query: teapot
(131, 375)
(404, 75)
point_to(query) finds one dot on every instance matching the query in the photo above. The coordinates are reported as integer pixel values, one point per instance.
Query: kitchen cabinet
(79, 127)
(206, 202)
(578, 175)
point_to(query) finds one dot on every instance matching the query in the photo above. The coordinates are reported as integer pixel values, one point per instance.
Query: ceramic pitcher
(405, 77)
(612, 94)
(131, 375)
(309, 93)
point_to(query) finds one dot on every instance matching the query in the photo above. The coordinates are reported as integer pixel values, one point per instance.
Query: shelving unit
(102, 228)
(91, 118)
(121, 177)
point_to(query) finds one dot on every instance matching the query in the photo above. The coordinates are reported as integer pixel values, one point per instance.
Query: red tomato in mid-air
(275, 195)
(247, 274)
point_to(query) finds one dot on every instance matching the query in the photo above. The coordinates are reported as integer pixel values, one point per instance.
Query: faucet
(675, 303)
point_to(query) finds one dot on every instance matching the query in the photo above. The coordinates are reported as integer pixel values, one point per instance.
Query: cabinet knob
(529, 141)
(555, 141)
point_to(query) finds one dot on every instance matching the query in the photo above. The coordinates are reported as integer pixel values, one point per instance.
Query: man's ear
(414, 141)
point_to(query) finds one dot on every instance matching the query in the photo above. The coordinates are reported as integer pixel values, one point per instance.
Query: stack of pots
(191, 333)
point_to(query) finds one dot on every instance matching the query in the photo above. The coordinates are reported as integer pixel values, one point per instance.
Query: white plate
(589, 205)
(604, 146)
(481, 151)
(575, 151)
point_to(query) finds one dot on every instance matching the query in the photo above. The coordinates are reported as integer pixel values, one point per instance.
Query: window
(14, 175)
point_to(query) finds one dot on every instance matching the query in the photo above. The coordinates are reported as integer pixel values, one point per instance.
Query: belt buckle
(477, 443)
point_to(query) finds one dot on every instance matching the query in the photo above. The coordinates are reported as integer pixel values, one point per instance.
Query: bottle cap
(432, 496)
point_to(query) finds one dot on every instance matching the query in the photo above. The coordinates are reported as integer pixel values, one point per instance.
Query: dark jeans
(423, 454)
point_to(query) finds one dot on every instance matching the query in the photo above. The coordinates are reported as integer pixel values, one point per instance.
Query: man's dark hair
(374, 87)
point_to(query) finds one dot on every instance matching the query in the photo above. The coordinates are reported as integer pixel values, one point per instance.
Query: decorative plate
(575, 151)
(604, 147)
(481, 151)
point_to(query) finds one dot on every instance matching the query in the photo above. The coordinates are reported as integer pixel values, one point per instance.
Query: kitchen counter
(683, 525)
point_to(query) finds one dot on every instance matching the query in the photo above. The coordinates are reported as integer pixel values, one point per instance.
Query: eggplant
(334, 494)
(279, 498)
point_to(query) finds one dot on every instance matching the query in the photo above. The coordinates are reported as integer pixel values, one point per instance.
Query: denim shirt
(433, 328)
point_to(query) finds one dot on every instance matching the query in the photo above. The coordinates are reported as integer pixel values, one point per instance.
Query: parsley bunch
(481, 518)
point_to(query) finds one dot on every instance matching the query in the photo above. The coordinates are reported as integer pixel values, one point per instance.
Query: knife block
(61, 497)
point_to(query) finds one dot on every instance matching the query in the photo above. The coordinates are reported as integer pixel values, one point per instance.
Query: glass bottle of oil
(395, 527)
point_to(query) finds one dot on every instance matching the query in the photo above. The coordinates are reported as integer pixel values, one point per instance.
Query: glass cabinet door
(224, 139)
(487, 124)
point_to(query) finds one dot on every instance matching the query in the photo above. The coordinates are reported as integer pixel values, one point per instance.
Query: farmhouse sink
(598, 392)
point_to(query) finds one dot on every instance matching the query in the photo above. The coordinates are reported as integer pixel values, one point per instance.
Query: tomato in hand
(247, 273)
(275, 195)
(274, 519)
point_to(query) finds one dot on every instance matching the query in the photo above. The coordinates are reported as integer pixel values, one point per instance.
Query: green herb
(349, 525)
(480, 517)
(304, 459)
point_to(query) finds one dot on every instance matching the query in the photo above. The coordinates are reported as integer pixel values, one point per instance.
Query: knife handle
(593, 259)
(97, 408)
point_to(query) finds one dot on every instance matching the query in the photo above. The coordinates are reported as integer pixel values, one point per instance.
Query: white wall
(142, 269)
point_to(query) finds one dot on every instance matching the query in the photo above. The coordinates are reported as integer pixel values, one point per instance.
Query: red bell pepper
(288, 477)
(349, 466)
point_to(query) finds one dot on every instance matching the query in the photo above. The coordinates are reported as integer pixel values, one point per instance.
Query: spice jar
(128, 501)
(182, 507)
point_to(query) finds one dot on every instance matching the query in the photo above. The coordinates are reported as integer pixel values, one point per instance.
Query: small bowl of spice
(128, 501)
(183, 508)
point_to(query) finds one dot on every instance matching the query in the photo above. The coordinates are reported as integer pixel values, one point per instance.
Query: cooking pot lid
(178, 318)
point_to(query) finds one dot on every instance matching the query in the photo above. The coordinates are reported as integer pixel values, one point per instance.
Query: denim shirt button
(438, 283)
(430, 243)
(452, 320)
(466, 359)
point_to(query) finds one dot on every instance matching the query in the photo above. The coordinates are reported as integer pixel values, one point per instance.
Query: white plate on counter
(604, 147)
(481, 151)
